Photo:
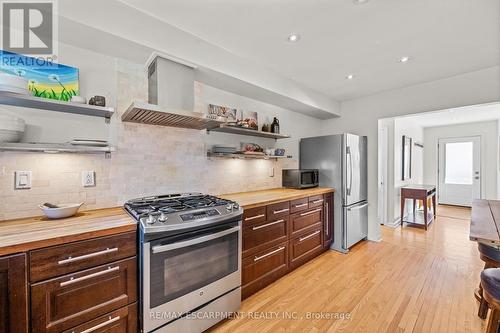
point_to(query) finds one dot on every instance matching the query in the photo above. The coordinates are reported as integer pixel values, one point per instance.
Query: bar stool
(490, 280)
(491, 257)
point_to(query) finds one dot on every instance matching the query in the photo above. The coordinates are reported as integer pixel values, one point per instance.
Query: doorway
(459, 170)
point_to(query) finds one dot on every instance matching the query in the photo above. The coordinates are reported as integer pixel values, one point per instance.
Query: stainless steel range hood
(170, 98)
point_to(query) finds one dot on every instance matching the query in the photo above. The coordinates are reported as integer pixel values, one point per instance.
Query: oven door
(308, 178)
(186, 271)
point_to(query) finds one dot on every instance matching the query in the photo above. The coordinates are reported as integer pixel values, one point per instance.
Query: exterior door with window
(459, 169)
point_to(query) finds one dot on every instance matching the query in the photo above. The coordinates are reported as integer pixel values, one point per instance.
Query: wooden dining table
(485, 222)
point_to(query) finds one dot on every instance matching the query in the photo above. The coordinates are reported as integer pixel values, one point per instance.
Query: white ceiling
(443, 37)
(462, 115)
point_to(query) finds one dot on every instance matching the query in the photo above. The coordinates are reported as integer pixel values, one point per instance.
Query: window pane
(458, 163)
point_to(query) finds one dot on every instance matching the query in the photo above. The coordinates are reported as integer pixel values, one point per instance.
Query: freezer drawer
(355, 223)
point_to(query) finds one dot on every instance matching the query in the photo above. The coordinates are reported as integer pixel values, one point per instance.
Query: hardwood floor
(411, 281)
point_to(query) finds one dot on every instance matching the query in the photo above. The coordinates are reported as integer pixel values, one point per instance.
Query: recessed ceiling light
(360, 2)
(350, 77)
(293, 37)
(404, 59)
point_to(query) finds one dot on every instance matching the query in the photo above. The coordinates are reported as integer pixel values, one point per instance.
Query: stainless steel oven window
(179, 271)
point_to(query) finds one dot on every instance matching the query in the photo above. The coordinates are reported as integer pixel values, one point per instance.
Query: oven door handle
(178, 245)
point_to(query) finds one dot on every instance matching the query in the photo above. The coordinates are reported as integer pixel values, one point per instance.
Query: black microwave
(300, 178)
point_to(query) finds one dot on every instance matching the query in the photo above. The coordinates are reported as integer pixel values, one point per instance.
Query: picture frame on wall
(406, 157)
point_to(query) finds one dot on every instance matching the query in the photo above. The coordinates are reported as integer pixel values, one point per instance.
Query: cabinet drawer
(302, 221)
(74, 299)
(305, 247)
(263, 268)
(299, 205)
(254, 215)
(316, 201)
(123, 320)
(68, 258)
(265, 234)
(278, 210)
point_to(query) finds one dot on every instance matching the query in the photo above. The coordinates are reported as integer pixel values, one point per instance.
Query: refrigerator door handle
(348, 152)
(357, 207)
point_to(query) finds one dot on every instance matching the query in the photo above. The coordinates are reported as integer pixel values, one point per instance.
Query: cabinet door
(328, 221)
(13, 294)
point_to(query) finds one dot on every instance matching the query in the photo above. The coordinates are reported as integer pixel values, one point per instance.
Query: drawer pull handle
(281, 211)
(87, 256)
(267, 225)
(281, 248)
(327, 219)
(301, 205)
(90, 276)
(96, 327)
(255, 217)
(317, 201)
(311, 212)
(301, 239)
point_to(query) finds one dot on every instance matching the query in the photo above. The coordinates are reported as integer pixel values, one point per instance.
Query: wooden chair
(491, 257)
(490, 280)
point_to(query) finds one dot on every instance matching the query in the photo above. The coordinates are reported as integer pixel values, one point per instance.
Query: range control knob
(162, 217)
(150, 219)
(229, 207)
(236, 205)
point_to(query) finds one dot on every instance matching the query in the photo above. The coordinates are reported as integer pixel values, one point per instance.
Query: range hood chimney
(170, 98)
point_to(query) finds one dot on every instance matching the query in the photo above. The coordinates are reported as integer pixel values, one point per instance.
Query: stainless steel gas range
(190, 253)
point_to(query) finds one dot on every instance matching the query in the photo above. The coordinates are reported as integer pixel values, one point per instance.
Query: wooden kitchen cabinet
(280, 237)
(13, 294)
(328, 223)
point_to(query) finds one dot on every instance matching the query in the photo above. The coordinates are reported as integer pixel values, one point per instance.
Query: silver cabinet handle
(281, 211)
(358, 207)
(317, 201)
(198, 240)
(90, 276)
(327, 220)
(255, 217)
(301, 205)
(281, 248)
(267, 225)
(87, 256)
(96, 327)
(301, 239)
(311, 212)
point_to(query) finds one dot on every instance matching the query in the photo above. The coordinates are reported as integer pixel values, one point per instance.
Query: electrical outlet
(88, 178)
(271, 172)
(22, 180)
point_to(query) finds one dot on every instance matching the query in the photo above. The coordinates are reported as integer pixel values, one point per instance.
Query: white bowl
(64, 210)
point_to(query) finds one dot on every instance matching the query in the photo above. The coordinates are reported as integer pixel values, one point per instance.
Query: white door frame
(439, 167)
(383, 142)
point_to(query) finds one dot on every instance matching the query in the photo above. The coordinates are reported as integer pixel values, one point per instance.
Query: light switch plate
(88, 178)
(271, 172)
(22, 180)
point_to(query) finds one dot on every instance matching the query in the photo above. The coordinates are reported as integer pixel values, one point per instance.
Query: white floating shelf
(54, 148)
(28, 101)
(245, 156)
(224, 128)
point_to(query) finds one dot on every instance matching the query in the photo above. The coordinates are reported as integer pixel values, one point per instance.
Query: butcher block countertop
(36, 232)
(266, 197)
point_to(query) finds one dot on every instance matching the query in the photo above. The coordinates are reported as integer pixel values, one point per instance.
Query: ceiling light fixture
(350, 77)
(293, 37)
(360, 2)
(404, 59)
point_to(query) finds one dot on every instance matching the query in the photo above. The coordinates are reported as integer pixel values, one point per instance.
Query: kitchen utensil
(62, 211)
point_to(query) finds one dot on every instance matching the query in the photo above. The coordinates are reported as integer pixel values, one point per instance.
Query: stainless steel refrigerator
(342, 163)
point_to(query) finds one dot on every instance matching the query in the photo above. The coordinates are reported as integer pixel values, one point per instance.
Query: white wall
(360, 115)
(488, 131)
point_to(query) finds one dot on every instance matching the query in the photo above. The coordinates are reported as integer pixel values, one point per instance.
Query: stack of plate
(224, 149)
(11, 128)
(15, 84)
